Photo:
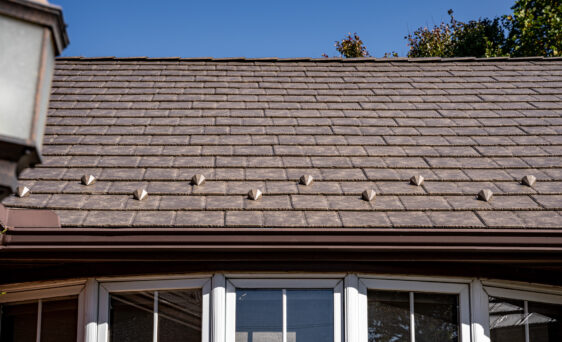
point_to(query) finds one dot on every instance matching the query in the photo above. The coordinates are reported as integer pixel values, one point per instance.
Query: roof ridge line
(310, 59)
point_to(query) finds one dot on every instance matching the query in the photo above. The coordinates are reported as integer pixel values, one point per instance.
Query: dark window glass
(259, 315)
(59, 320)
(545, 322)
(19, 322)
(436, 317)
(506, 320)
(310, 315)
(179, 315)
(131, 317)
(389, 316)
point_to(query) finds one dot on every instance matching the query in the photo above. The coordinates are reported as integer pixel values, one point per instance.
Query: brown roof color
(463, 124)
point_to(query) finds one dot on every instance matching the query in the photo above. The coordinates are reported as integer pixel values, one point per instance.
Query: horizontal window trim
(436, 279)
(39, 285)
(115, 279)
(154, 285)
(523, 295)
(277, 275)
(303, 283)
(523, 286)
(45, 293)
(414, 286)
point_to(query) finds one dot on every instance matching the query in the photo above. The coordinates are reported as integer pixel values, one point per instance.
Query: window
(163, 311)
(518, 316)
(399, 310)
(41, 315)
(275, 309)
(284, 310)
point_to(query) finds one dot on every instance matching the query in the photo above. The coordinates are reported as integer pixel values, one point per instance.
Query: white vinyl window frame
(413, 286)
(522, 294)
(289, 284)
(50, 292)
(107, 288)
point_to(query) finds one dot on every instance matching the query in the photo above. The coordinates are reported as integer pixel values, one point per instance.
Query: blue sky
(253, 28)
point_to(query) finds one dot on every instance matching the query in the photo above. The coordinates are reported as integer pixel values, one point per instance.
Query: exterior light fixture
(32, 33)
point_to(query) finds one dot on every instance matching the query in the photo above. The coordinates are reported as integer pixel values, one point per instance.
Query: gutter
(83, 244)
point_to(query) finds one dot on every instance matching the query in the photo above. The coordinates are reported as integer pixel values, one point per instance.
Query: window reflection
(310, 315)
(389, 316)
(19, 322)
(511, 320)
(131, 317)
(259, 315)
(179, 315)
(436, 316)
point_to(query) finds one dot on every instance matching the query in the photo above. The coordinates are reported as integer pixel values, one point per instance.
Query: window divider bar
(412, 321)
(39, 322)
(155, 322)
(284, 331)
(526, 318)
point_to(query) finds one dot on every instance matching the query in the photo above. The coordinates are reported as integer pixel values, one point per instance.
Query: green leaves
(534, 29)
(479, 38)
(352, 47)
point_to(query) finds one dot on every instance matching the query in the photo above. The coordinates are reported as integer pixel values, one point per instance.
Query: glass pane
(544, 322)
(179, 315)
(506, 320)
(131, 317)
(436, 317)
(19, 323)
(310, 315)
(259, 315)
(59, 320)
(389, 316)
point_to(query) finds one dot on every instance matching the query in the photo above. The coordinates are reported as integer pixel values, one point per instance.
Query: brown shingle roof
(463, 124)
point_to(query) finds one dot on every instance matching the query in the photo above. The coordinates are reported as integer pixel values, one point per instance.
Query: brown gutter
(546, 243)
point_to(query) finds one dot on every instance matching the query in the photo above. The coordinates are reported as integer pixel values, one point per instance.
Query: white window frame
(523, 293)
(51, 291)
(285, 283)
(106, 288)
(411, 286)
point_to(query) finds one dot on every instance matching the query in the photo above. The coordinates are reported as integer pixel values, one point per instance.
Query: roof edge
(310, 59)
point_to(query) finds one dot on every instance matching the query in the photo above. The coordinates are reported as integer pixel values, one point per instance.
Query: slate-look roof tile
(352, 125)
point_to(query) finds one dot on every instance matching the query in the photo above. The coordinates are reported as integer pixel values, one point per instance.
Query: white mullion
(412, 319)
(284, 332)
(223, 299)
(480, 319)
(526, 318)
(39, 314)
(155, 322)
(90, 310)
(338, 311)
(351, 302)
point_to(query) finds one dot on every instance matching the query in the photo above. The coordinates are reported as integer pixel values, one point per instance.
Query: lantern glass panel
(20, 59)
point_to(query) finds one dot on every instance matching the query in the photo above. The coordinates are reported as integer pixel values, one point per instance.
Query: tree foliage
(478, 38)
(535, 28)
(352, 46)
